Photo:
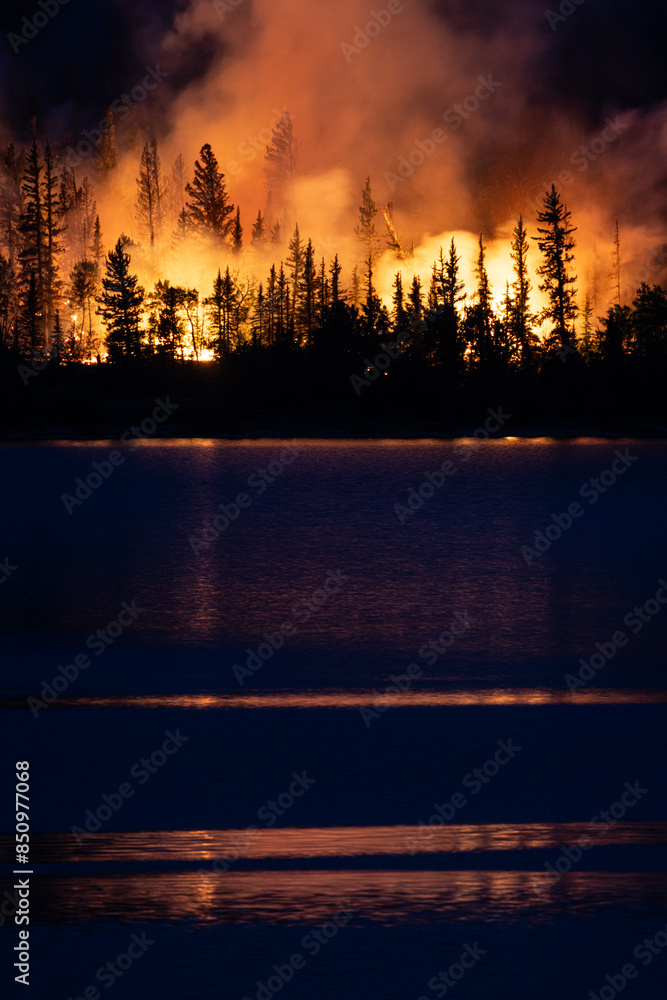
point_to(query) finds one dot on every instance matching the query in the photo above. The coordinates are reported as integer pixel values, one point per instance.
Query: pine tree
(83, 289)
(151, 195)
(97, 246)
(11, 241)
(165, 324)
(57, 340)
(237, 234)
(281, 162)
(121, 304)
(616, 266)
(295, 264)
(209, 208)
(306, 289)
(337, 293)
(323, 292)
(277, 235)
(34, 258)
(520, 319)
(365, 231)
(177, 190)
(479, 316)
(375, 318)
(452, 286)
(258, 231)
(399, 313)
(556, 246)
(416, 300)
(54, 247)
(106, 158)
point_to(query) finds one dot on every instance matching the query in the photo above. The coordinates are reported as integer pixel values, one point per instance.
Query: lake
(323, 718)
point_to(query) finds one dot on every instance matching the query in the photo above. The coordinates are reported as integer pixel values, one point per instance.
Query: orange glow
(360, 699)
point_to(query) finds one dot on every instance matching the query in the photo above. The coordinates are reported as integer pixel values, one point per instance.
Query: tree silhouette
(121, 304)
(209, 210)
(556, 245)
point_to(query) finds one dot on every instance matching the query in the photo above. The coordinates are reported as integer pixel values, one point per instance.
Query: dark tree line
(63, 298)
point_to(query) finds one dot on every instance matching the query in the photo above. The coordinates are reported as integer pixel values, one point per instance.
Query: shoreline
(251, 432)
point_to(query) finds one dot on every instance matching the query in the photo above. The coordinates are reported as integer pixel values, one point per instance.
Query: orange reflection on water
(311, 896)
(339, 841)
(370, 699)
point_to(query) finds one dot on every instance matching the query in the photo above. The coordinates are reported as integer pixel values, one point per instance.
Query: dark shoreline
(282, 432)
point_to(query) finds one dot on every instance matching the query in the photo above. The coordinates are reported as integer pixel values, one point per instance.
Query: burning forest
(439, 225)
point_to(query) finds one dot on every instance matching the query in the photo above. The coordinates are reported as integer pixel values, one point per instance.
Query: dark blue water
(332, 711)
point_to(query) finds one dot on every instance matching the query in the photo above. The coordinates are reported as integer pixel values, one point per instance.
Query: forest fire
(270, 237)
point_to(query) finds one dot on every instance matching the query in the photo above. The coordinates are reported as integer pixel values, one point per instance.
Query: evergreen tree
(519, 320)
(121, 304)
(33, 255)
(209, 208)
(295, 264)
(306, 316)
(365, 231)
(452, 286)
(416, 300)
(97, 247)
(259, 231)
(221, 307)
(106, 157)
(151, 196)
(11, 240)
(649, 323)
(83, 290)
(54, 247)
(556, 245)
(375, 319)
(177, 191)
(281, 162)
(399, 312)
(616, 266)
(237, 233)
(337, 293)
